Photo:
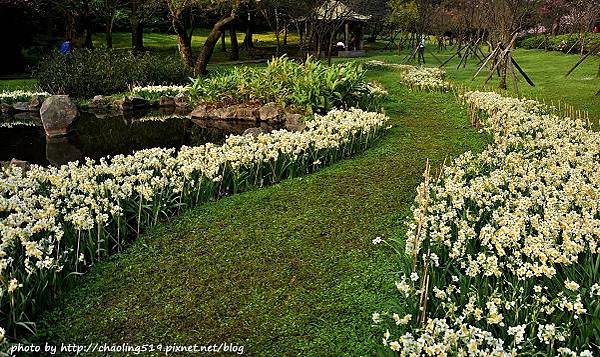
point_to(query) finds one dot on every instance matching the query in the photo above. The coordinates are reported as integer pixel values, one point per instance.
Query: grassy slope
(8, 85)
(288, 269)
(546, 69)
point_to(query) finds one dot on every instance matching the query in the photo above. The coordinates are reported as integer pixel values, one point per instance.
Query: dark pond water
(97, 135)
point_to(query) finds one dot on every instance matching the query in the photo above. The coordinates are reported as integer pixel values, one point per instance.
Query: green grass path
(288, 269)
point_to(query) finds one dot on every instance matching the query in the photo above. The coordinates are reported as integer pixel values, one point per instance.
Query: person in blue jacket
(66, 47)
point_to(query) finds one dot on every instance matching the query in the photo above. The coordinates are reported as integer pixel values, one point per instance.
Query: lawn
(7, 85)
(264, 43)
(546, 69)
(162, 41)
(289, 269)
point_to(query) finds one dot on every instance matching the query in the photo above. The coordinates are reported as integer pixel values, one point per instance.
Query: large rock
(245, 113)
(166, 101)
(101, 102)
(58, 113)
(36, 102)
(293, 122)
(21, 106)
(225, 113)
(201, 112)
(271, 113)
(134, 102)
(239, 112)
(182, 100)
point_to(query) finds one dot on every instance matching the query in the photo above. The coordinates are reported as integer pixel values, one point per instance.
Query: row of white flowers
(10, 97)
(59, 220)
(155, 92)
(503, 245)
(421, 78)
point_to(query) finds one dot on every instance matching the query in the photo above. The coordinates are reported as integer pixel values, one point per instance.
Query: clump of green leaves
(309, 87)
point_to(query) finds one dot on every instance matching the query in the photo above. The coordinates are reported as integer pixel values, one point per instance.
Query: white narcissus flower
(13, 285)
(571, 285)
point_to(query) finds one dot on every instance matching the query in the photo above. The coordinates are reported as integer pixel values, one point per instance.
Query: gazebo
(353, 25)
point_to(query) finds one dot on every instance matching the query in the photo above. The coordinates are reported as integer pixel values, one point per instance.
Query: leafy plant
(309, 87)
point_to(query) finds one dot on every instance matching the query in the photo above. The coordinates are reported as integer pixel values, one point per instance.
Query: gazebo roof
(337, 10)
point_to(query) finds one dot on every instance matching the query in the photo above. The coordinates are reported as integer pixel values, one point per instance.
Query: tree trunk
(137, 27)
(277, 33)
(235, 48)
(211, 41)
(248, 41)
(330, 46)
(285, 34)
(88, 24)
(223, 42)
(504, 65)
(109, 31)
(70, 26)
(184, 42)
(555, 26)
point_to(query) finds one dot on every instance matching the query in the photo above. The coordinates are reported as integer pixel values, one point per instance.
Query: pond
(97, 134)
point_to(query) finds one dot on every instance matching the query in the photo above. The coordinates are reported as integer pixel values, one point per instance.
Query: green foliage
(403, 14)
(309, 87)
(567, 43)
(86, 73)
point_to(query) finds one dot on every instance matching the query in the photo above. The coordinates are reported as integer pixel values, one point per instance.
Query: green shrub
(568, 43)
(310, 87)
(86, 73)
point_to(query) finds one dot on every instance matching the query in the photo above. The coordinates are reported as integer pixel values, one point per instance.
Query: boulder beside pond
(166, 101)
(182, 100)
(21, 106)
(293, 122)
(35, 103)
(134, 102)
(239, 112)
(58, 113)
(101, 102)
(271, 113)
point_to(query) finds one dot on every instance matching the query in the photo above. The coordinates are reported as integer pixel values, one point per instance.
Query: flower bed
(56, 221)
(153, 93)
(19, 96)
(502, 248)
(421, 78)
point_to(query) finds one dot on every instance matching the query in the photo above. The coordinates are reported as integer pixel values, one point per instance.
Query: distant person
(596, 28)
(340, 46)
(421, 50)
(66, 47)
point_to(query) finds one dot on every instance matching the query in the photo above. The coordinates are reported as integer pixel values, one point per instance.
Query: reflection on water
(97, 135)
